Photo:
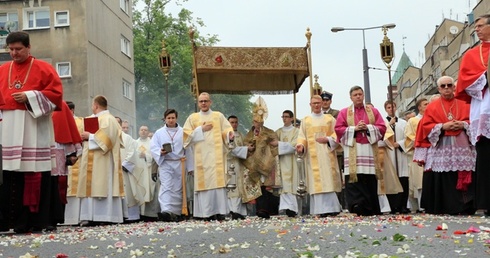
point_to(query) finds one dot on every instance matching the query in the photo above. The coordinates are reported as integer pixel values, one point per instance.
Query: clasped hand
(453, 125)
(361, 126)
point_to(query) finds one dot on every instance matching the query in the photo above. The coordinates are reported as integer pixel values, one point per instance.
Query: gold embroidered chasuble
(262, 161)
(101, 167)
(321, 166)
(210, 161)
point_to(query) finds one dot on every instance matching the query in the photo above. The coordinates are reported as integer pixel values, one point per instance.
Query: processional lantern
(387, 48)
(165, 63)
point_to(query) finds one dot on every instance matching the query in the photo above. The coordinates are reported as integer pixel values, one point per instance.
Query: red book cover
(91, 124)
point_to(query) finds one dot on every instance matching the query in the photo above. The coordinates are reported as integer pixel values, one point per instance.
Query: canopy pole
(194, 83)
(308, 49)
(294, 109)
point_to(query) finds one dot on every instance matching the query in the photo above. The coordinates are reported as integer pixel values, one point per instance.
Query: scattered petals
(245, 245)
(473, 230)
(28, 255)
(136, 253)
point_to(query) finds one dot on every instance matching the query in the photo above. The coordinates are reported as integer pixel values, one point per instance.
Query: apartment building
(89, 42)
(443, 53)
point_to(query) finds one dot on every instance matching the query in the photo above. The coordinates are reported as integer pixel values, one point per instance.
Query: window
(124, 4)
(125, 46)
(126, 89)
(61, 19)
(9, 22)
(63, 69)
(474, 38)
(36, 18)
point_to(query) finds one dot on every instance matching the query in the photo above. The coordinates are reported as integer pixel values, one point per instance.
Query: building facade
(89, 42)
(443, 53)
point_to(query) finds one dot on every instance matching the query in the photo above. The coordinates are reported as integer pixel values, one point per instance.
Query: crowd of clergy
(90, 171)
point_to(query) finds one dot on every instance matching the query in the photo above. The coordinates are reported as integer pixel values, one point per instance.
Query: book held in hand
(91, 124)
(167, 147)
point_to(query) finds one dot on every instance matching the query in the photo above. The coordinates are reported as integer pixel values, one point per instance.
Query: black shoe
(329, 214)
(219, 217)
(36, 230)
(291, 213)
(165, 216)
(89, 223)
(20, 230)
(263, 214)
(360, 211)
(149, 219)
(180, 218)
(51, 228)
(405, 211)
(236, 216)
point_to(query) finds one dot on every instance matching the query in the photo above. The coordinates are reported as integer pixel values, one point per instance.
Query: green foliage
(151, 25)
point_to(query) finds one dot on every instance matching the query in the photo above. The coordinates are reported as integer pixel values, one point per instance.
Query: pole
(365, 68)
(166, 92)
(390, 91)
(365, 65)
(310, 65)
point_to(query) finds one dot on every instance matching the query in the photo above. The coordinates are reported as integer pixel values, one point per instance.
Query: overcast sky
(336, 57)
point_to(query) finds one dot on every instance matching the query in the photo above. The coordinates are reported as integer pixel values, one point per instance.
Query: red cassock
(473, 65)
(434, 114)
(42, 77)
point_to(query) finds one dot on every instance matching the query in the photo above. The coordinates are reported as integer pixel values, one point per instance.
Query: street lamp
(164, 62)
(365, 65)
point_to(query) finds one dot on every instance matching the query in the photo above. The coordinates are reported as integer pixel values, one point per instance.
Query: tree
(151, 25)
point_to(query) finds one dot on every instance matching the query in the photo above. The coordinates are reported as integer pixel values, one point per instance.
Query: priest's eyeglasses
(480, 26)
(204, 101)
(448, 85)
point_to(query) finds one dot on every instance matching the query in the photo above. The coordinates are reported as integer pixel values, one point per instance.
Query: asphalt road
(343, 236)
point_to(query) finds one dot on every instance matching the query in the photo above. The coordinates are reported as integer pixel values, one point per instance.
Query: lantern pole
(387, 55)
